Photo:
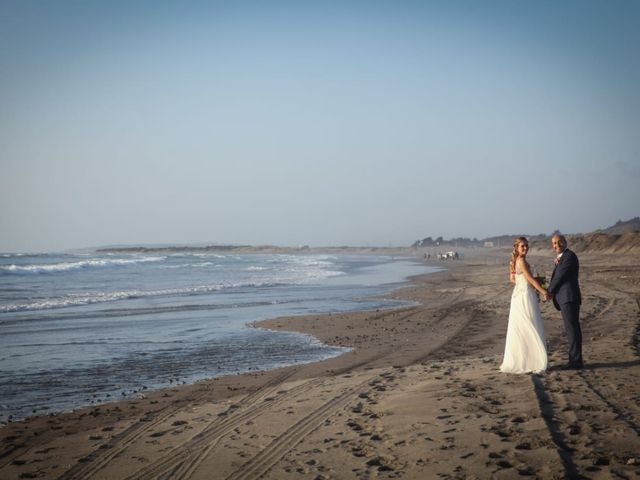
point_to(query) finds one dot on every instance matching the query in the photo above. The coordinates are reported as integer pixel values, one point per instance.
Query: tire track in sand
(89, 465)
(278, 448)
(182, 461)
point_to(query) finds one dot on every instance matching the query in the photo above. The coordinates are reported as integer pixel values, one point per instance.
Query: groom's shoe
(572, 366)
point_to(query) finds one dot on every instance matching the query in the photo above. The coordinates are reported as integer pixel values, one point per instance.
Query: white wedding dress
(525, 350)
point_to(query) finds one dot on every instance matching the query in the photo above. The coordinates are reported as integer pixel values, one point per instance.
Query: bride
(525, 350)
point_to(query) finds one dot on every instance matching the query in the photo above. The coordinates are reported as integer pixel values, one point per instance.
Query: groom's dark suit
(567, 298)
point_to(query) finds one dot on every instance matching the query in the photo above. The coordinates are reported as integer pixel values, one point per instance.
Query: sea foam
(78, 265)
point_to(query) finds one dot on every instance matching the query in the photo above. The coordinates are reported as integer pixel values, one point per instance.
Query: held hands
(545, 295)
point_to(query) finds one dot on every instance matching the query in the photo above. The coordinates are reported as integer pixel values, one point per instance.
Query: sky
(314, 123)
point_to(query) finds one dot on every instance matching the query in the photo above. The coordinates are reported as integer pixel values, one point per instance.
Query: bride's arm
(524, 267)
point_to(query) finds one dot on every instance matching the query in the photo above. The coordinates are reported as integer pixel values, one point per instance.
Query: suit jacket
(564, 280)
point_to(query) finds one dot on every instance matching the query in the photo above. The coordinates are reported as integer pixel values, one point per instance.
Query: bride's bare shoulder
(521, 265)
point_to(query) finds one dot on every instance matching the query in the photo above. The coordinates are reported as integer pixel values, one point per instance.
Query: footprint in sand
(504, 464)
(355, 426)
(383, 464)
(523, 446)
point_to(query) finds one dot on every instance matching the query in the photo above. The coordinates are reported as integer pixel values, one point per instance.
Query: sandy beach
(419, 396)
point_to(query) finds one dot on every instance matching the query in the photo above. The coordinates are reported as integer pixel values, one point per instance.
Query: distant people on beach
(449, 256)
(525, 347)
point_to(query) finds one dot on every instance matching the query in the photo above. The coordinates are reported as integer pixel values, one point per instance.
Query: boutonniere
(556, 261)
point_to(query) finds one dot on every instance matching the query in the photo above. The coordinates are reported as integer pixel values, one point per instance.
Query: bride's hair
(514, 254)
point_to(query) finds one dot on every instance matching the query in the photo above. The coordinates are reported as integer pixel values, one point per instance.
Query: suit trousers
(571, 317)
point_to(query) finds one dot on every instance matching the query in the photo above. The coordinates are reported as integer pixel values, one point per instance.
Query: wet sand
(420, 396)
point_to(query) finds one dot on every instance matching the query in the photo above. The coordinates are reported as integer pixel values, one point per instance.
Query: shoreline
(418, 379)
(160, 359)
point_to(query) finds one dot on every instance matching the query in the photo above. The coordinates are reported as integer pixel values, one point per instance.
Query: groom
(565, 291)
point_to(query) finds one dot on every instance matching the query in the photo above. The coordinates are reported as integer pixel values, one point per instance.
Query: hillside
(622, 227)
(622, 237)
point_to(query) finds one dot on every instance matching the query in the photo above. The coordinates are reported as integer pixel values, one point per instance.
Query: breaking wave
(88, 298)
(77, 265)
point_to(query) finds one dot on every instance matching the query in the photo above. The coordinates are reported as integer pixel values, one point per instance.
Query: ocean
(85, 328)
